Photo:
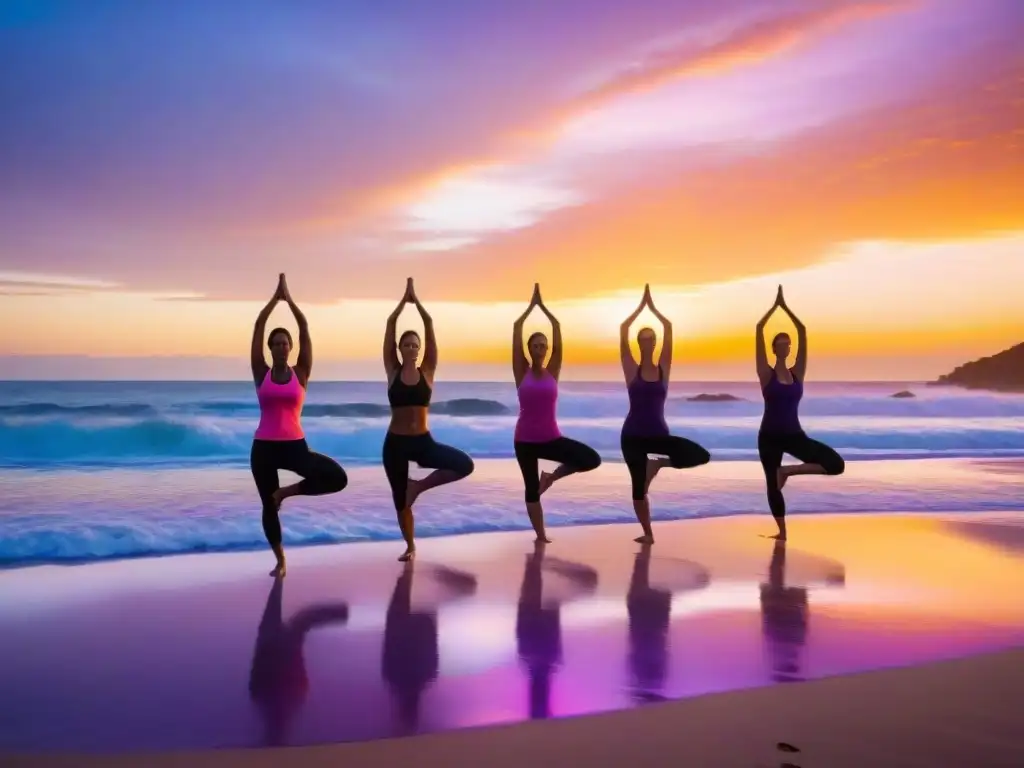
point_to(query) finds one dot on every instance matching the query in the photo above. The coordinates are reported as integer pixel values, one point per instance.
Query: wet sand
(199, 652)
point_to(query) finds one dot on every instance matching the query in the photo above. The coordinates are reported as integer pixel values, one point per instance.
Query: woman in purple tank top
(781, 433)
(645, 431)
(537, 435)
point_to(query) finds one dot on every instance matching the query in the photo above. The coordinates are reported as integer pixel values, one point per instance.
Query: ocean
(94, 470)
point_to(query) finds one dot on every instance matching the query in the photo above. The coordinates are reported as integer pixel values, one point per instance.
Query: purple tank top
(538, 402)
(646, 417)
(781, 406)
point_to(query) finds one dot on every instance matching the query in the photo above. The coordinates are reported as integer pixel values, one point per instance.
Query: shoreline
(525, 529)
(82, 518)
(751, 529)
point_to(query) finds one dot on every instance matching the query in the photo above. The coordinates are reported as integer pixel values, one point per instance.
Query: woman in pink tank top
(537, 435)
(279, 442)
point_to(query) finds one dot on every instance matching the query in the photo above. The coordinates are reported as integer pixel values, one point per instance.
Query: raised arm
(800, 364)
(304, 361)
(764, 368)
(629, 363)
(555, 361)
(519, 362)
(429, 364)
(391, 361)
(256, 358)
(665, 361)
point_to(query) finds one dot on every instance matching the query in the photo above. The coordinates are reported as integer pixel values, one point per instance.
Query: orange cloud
(948, 166)
(749, 45)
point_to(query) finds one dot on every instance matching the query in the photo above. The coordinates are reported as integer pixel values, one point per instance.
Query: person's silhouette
(277, 680)
(784, 613)
(410, 658)
(650, 612)
(783, 618)
(538, 626)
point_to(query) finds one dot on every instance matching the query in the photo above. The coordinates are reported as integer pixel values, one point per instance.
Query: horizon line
(750, 380)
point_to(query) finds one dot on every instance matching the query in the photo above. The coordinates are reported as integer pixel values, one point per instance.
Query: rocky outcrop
(719, 398)
(1003, 372)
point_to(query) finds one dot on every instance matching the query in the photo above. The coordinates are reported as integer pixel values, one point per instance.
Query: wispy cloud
(184, 296)
(749, 44)
(51, 284)
(439, 244)
(38, 284)
(460, 210)
(517, 194)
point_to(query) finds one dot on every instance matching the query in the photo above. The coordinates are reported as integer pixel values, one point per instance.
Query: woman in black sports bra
(408, 439)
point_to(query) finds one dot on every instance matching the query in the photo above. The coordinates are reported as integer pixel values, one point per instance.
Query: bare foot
(778, 537)
(280, 571)
(408, 555)
(412, 490)
(542, 540)
(781, 477)
(645, 539)
(653, 467)
(546, 479)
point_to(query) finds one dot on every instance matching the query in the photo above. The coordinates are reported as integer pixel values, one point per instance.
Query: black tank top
(402, 395)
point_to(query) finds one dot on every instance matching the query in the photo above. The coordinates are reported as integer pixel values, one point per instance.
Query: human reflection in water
(277, 681)
(784, 615)
(410, 659)
(539, 625)
(650, 611)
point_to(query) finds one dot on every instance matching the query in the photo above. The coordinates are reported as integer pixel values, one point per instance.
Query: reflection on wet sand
(538, 622)
(1007, 536)
(410, 660)
(650, 613)
(784, 615)
(278, 683)
(166, 663)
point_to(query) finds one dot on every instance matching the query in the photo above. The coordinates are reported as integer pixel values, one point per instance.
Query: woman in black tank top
(408, 439)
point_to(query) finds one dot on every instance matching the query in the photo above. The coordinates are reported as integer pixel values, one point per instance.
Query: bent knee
(836, 465)
(339, 479)
(702, 457)
(591, 461)
(465, 466)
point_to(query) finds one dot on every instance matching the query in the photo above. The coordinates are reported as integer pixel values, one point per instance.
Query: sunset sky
(160, 163)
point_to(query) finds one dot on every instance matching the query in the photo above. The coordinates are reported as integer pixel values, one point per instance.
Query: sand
(177, 655)
(955, 713)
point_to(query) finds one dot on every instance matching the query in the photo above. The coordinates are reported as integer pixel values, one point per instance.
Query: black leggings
(401, 450)
(574, 455)
(798, 445)
(681, 453)
(320, 475)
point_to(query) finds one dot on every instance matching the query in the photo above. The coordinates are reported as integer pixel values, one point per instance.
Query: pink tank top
(280, 409)
(538, 399)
